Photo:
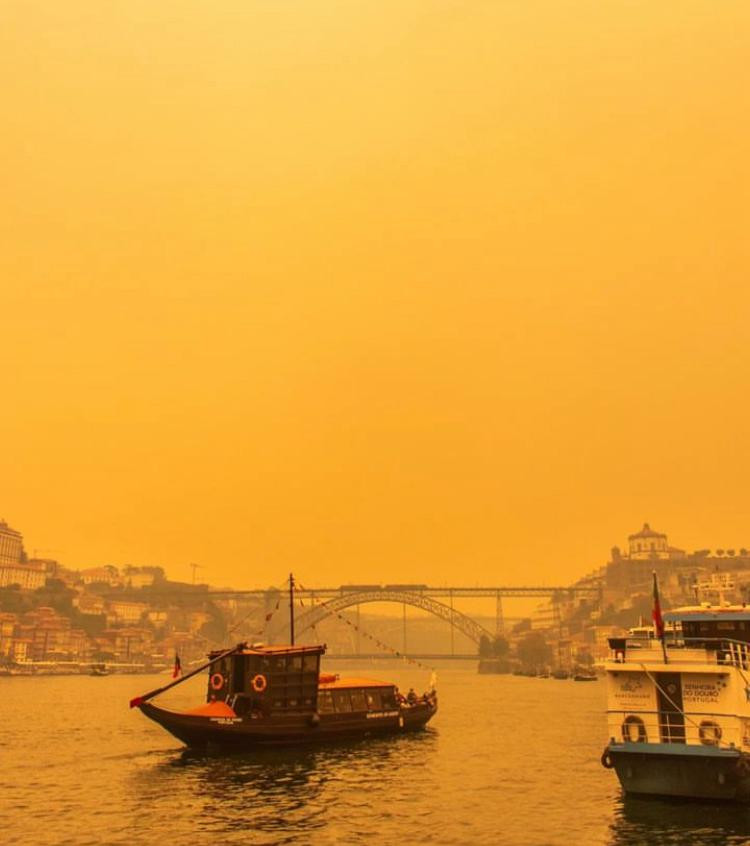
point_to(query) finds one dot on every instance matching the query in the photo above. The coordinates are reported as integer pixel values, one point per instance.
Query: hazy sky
(436, 291)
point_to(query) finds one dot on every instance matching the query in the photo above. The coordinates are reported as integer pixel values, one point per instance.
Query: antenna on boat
(291, 608)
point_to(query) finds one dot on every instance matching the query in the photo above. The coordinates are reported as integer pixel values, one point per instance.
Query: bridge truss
(473, 630)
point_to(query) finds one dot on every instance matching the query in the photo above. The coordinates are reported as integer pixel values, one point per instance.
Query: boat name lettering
(378, 714)
(701, 691)
(226, 721)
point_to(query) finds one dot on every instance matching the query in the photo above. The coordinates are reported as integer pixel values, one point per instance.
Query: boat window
(388, 698)
(325, 702)
(310, 663)
(278, 663)
(341, 701)
(295, 663)
(373, 700)
(359, 702)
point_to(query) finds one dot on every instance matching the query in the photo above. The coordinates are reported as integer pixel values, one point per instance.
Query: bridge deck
(424, 590)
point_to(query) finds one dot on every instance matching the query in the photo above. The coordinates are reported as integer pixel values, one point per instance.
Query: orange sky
(436, 291)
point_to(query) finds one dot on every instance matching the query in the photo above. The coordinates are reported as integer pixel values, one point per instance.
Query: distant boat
(559, 673)
(585, 677)
(98, 670)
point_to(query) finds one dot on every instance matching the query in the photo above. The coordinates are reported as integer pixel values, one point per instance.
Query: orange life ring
(259, 683)
(217, 681)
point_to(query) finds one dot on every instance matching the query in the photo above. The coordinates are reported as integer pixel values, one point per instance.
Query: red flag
(177, 670)
(656, 612)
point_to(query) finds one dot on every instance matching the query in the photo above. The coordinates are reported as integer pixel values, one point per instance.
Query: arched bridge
(473, 630)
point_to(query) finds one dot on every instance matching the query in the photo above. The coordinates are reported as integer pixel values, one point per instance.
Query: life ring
(630, 722)
(709, 733)
(606, 759)
(217, 681)
(259, 683)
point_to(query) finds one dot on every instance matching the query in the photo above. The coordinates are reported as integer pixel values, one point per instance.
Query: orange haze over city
(447, 292)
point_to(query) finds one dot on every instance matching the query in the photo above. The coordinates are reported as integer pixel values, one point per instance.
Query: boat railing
(694, 728)
(705, 650)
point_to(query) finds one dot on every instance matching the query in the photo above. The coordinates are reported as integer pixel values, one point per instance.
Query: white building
(649, 545)
(121, 611)
(29, 576)
(11, 545)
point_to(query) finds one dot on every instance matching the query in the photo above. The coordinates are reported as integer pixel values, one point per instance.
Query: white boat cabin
(693, 688)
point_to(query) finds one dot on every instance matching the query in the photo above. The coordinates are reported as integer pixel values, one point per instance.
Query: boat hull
(678, 769)
(248, 733)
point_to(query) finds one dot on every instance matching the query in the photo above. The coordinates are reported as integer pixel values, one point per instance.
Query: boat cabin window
(325, 702)
(359, 702)
(341, 701)
(356, 700)
(388, 697)
(695, 631)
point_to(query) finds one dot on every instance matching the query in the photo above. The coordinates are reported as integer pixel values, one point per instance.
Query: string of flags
(378, 642)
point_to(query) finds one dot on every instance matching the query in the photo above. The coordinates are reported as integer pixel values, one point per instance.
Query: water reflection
(284, 792)
(641, 821)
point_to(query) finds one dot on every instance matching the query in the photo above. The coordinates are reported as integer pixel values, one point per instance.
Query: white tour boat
(678, 710)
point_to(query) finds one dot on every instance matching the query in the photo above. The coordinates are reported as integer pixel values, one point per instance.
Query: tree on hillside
(533, 650)
(485, 647)
(500, 647)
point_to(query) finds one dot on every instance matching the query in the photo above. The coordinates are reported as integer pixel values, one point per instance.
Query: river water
(507, 760)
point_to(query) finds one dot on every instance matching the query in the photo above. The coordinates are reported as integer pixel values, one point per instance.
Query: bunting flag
(177, 669)
(382, 645)
(271, 613)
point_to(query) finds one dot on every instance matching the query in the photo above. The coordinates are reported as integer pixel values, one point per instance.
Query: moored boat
(263, 695)
(98, 670)
(679, 706)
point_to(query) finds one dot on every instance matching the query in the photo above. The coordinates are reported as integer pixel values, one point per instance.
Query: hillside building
(11, 545)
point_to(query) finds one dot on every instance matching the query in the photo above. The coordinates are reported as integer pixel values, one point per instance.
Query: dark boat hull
(247, 733)
(683, 770)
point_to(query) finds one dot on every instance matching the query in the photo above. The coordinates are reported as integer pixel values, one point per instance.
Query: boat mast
(291, 608)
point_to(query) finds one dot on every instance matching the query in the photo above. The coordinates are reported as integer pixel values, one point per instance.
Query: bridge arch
(473, 630)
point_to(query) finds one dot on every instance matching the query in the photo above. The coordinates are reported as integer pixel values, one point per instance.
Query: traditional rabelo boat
(259, 695)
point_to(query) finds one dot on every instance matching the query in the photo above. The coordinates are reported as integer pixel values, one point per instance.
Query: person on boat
(411, 696)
